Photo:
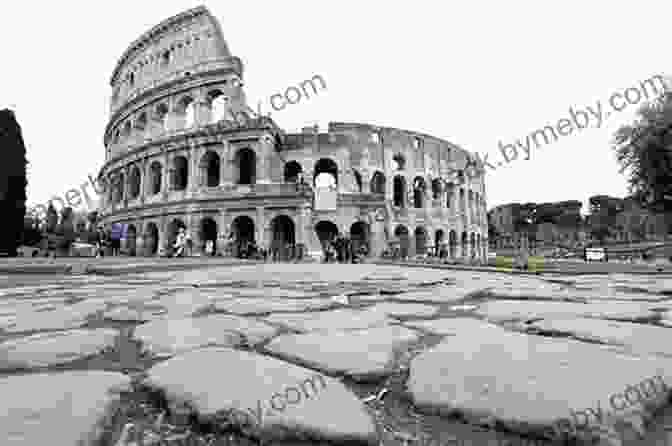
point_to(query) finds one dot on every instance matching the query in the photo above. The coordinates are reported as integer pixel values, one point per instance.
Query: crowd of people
(342, 249)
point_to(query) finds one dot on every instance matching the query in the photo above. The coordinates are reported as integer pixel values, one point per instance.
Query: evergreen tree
(12, 183)
(643, 150)
(51, 219)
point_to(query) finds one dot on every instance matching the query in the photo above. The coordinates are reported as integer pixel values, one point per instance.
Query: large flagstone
(45, 349)
(60, 409)
(277, 400)
(62, 318)
(533, 384)
(168, 337)
(638, 338)
(524, 310)
(361, 354)
(251, 306)
(345, 319)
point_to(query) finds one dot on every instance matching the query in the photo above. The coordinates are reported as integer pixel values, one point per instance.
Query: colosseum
(176, 159)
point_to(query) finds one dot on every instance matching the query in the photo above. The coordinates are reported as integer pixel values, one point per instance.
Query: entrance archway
(452, 243)
(171, 236)
(242, 232)
(151, 239)
(401, 232)
(464, 243)
(326, 232)
(359, 235)
(209, 236)
(420, 241)
(283, 244)
(438, 241)
(131, 233)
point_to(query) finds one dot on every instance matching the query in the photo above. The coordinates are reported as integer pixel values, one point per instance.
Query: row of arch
(283, 237)
(467, 241)
(153, 64)
(185, 110)
(325, 173)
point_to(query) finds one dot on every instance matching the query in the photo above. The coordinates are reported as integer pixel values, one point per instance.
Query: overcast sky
(474, 73)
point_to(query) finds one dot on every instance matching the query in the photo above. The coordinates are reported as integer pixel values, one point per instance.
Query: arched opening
(246, 165)
(141, 123)
(151, 239)
(436, 188)
(378, 183)
(358, 180)
(464, 244)
(127, 129)
(452, 243)
(401, 233)
(478, 244)
(131, 233)
(155, 177)
(472, 245)
(438, 241)
(159, 118)
(418, 192)
(180, 173)
(210, 169)
(243, 236)
(420, 241)
(208, 236)
(450, 192)
(291, 172)
(173, 229)
(186, 110)
(218, 104)
(399, 191)
(325, 173)
(283, 244)
(134, 182)
(121, 182)
(326, 232)
(398, 162)
(359, 236)
(470, 204)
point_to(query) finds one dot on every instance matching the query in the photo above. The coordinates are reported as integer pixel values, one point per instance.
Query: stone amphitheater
(175, 158)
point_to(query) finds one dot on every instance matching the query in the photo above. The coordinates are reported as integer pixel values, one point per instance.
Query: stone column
(161, 236)
(222, 232)
(165, 176)
(260, 225)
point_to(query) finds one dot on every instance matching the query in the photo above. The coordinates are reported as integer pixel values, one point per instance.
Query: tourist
(100, 242)
(180, 243)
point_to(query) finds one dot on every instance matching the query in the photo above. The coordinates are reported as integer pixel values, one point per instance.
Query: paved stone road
(333, 353)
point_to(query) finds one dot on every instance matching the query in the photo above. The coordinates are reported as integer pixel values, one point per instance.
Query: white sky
(471, 72)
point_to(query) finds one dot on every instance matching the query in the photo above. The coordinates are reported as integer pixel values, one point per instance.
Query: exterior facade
(184, 150)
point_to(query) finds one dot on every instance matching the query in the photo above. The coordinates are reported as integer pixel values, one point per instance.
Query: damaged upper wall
(179, 46)
(376, 146)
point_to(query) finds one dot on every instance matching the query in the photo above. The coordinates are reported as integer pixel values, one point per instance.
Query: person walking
(180, 243)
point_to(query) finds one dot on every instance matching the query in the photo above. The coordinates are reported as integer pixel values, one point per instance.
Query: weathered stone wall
(172, 157)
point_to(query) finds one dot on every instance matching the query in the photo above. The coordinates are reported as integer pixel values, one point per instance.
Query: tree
(51, 219)
(12, 183)
(643, 149)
